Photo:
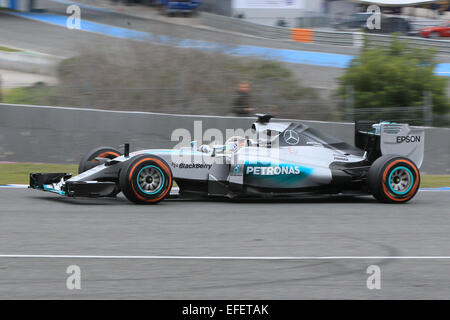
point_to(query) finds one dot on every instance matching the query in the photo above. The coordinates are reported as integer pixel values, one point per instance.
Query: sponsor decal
(408, 139)
(273, 170)
(237, 170)
(340, 158)
(191, 165)
(278, 175)
(291, 137)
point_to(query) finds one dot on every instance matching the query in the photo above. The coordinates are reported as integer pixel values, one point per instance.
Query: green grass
(435, 181)
(18, 173)
(38, 94)
(18, 96)
(8, 49)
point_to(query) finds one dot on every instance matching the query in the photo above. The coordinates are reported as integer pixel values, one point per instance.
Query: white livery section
(403, 140)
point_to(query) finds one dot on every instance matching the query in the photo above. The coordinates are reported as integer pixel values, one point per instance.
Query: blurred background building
(20, 5)
(289, 12)
(276, 12)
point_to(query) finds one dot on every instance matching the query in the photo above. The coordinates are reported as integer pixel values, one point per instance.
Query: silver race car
(282, 160)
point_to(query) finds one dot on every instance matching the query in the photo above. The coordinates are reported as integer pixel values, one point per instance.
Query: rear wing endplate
(401, 139)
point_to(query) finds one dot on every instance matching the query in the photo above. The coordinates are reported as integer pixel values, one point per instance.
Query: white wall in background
(267, 12)
(270, 4)
(4, 3)
(21, 5)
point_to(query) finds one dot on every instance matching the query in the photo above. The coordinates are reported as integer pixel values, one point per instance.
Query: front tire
(393, 179)
(146, 179)
(88, 161)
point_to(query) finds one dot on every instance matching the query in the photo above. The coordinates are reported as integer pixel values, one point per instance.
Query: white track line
(20, 186)
(37, 256)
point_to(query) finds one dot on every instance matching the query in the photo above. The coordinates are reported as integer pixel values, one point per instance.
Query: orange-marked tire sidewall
(416, 177)
(107, 154)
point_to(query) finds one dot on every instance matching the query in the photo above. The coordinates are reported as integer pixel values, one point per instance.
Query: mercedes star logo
(291, 137)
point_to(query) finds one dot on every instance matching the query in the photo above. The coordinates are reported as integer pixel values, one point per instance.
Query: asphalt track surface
(38, 223)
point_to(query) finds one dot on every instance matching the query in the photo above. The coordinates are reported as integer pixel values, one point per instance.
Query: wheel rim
(150, 179)
(401, 180)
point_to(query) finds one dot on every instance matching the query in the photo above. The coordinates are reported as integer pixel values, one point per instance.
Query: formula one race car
(282, 160)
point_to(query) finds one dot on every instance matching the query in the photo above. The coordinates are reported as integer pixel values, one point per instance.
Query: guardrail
(356, 39)
(334, 38)
(350, 39)
(244, 27)
(441, 46)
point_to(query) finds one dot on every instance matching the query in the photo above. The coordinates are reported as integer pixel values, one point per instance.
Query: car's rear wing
(380, 138)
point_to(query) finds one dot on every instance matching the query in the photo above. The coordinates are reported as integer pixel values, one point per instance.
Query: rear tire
(146, 179)
(393, 179)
